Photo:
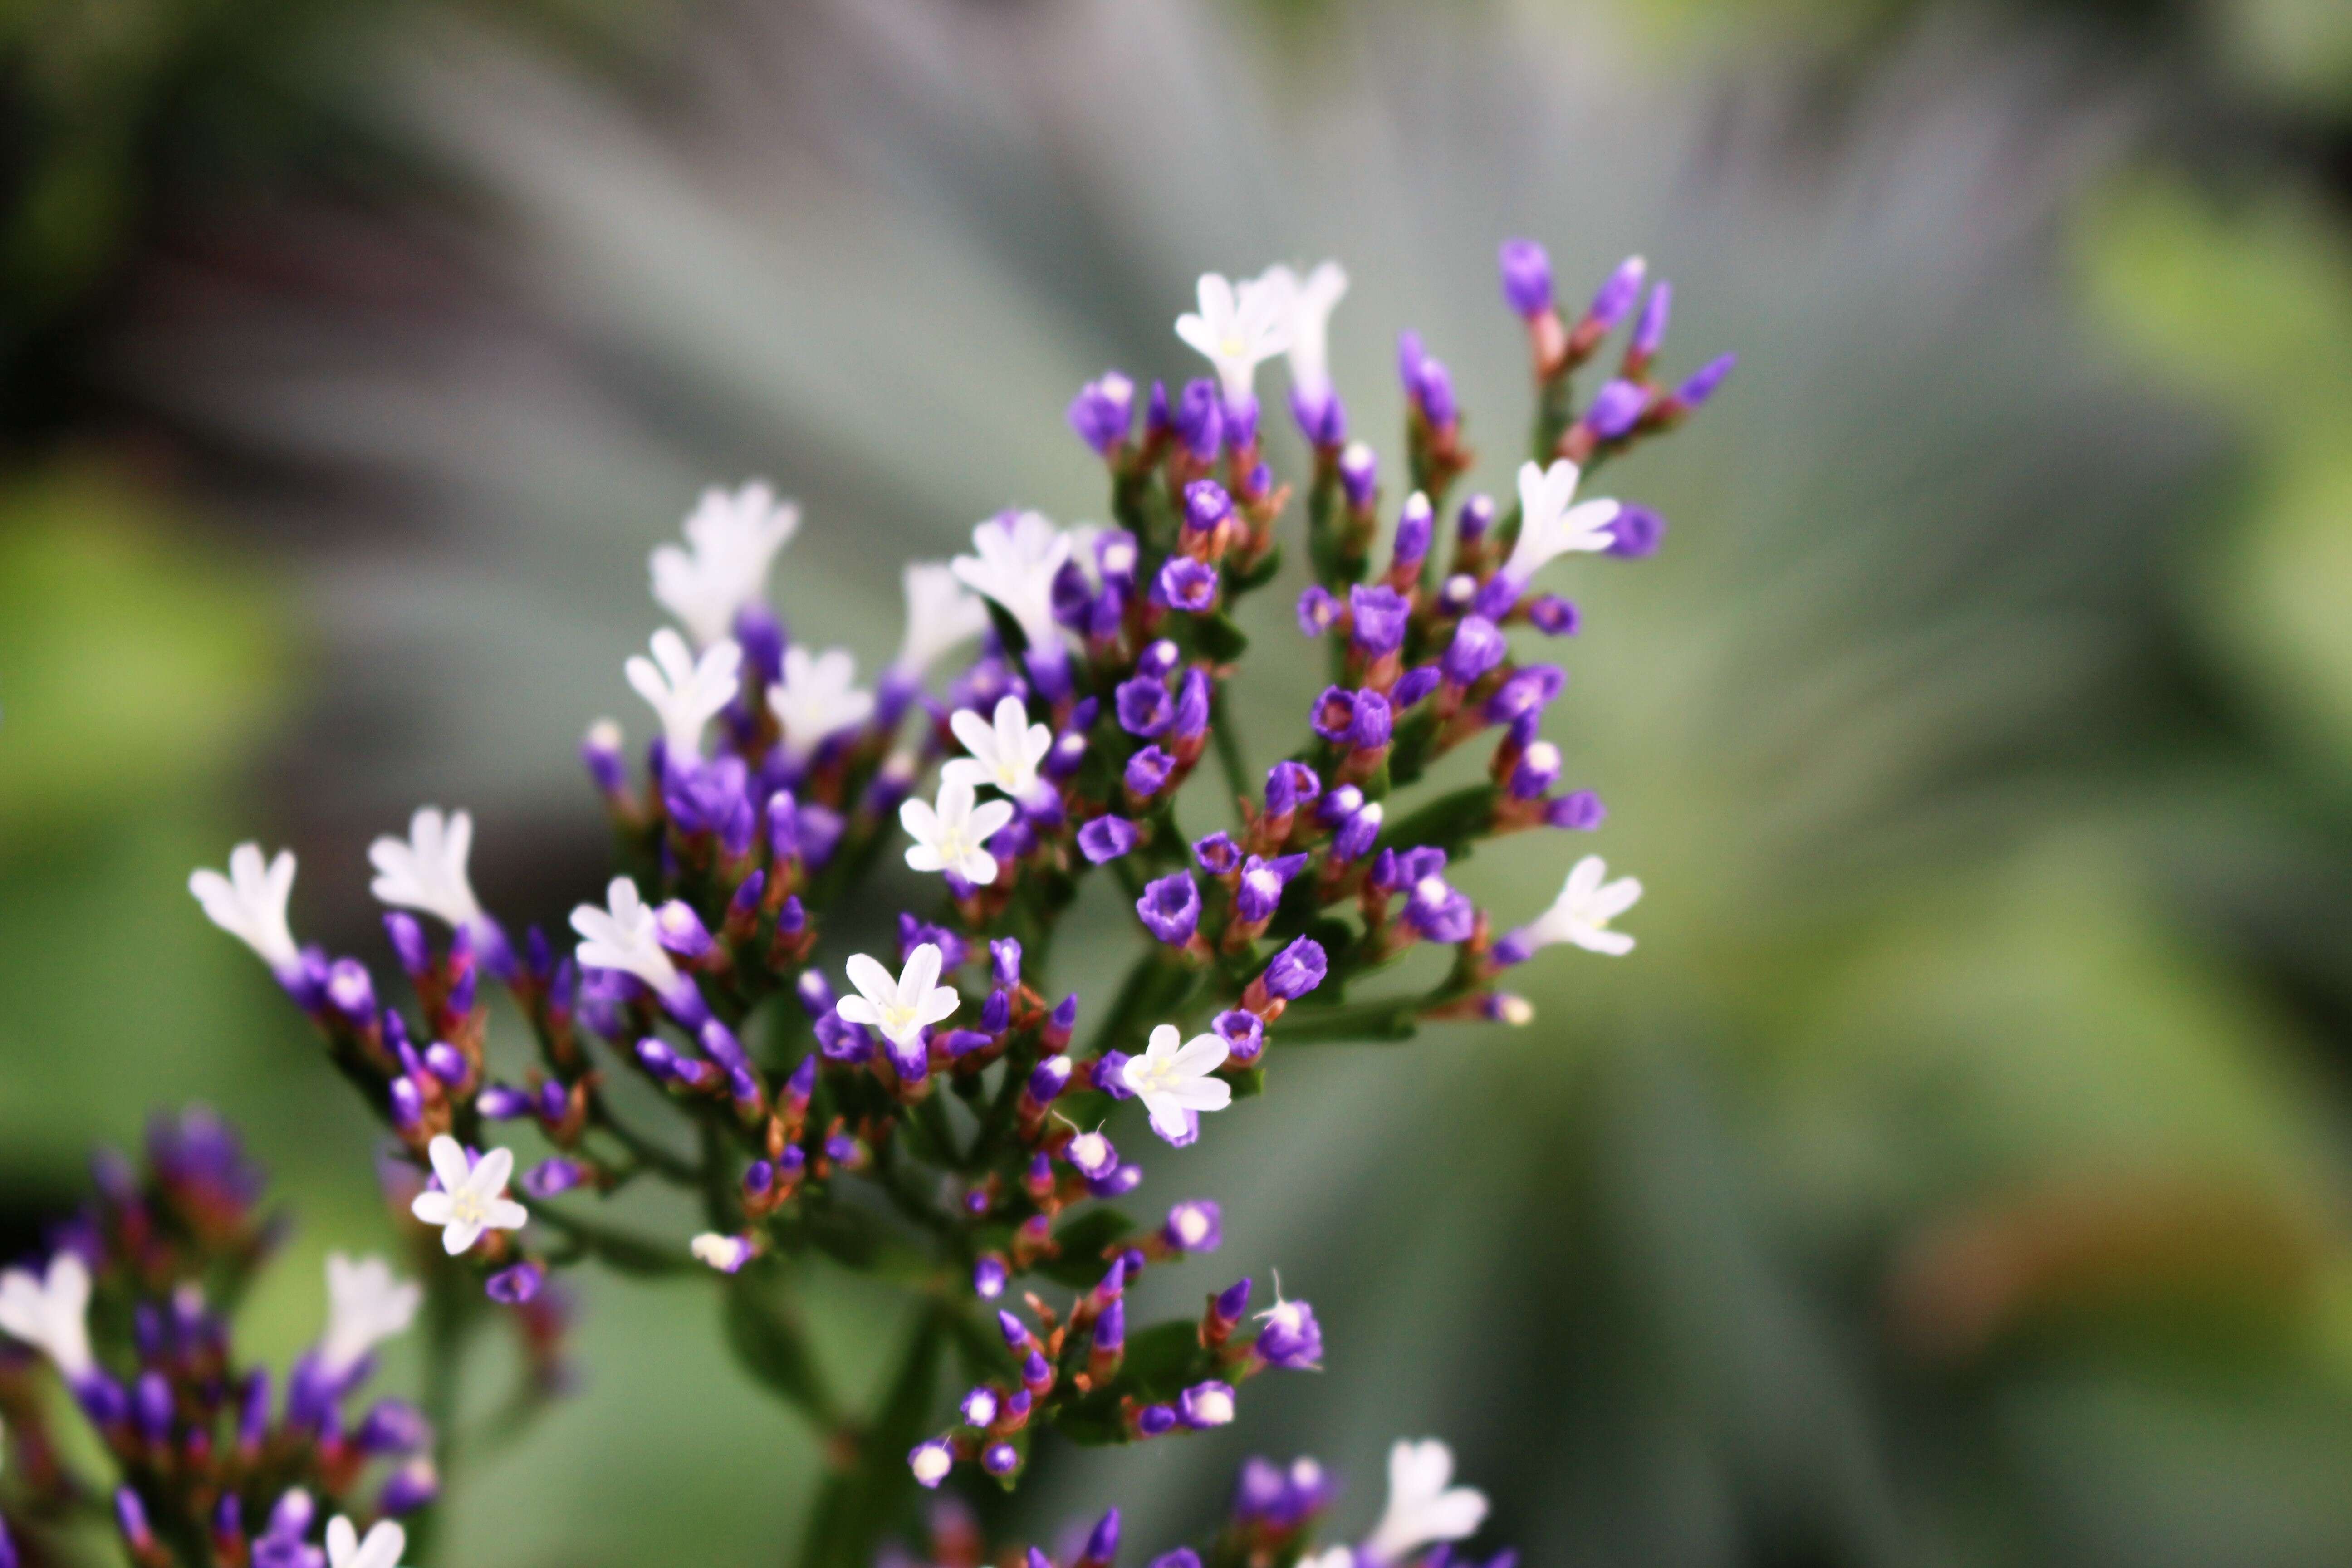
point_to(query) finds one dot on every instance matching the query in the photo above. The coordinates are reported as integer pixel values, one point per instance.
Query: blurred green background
(1954, 1175)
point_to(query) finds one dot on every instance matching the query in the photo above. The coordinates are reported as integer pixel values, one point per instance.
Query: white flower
(51, 1312)
(1548, 525)
(1423, 1505)
(818, 697)
(249, 903)
(366, 1304)
(733, 541)
(1236, 330)
(940, 615)
(727, 1254)
(686, 692)
(1582, 913)
(622, 935)
(953, 835)
(1307, 305)
(1172, 1079)
(1337, 1557)
(900, 1008)
(427, 870)
(1006, 754)
(472, 1199)
(381, 1549)
(1014, 564)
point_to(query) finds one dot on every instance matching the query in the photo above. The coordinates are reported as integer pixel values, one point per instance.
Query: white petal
(432, 1208)
(872, 982)
(492, 1171)
(342, 1542)
(459, 1235)
(921, 972)
(858, 1010)
(450, 1163)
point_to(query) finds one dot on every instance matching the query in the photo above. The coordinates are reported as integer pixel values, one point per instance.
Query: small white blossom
(381, 1549)
(1236, 330)
(624, 935)
(953, 835)
(249, 903)
(731, 541)
(1425, 1505)
(727, 1254)
(1582, 913)
(941, 614)
(1307, 305)
(817, 697)
(366, 1304)
(1550, 525)
(1337, 1557)
(1006, 754)
(900, 1008)
(686, 692)
(1015, 563)
(427, 869)
(1172, 1079)
(51, 1311)
(472, 1199)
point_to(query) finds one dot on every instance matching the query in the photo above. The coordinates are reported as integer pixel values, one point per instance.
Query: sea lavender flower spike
(1004, 754)
(686, 692)
(951, 836)
(472, 1196)
(900, 1008)
(1236, 330)
(426, 870)
(731, 541)
(249, 903)
(1176, 1081)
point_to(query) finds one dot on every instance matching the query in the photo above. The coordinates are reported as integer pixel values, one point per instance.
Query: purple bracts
(1380, 615)
(1527, 277)
(1107, 838)
(1171, 908)
(1297, 970)
(1478, 647)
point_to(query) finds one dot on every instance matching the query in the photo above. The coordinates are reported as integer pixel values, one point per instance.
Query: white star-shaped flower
(941, 614)
(817, 697)
(1006, 754)
(1172, 1079)
(473, 1196)
(1307, 306)
(1236, 330)
(731, 541)
(1582, 913)
(1550, 525)
(249, 903)
(953, 835)
(51, 1311)
(381, 1549)
(1013, 563)
(366, 1304)
(1425, 1505)
(686, 692)
(624, 935)
(900, 1008)
(427, 870)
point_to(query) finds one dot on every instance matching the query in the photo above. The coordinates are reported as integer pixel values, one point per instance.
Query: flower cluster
(929, 1111)
(216, 1460)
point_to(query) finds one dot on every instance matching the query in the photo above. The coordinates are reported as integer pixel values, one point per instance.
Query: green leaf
(1219, 638)
(1163, 1360)
(1008, 631)
(1082, 1241)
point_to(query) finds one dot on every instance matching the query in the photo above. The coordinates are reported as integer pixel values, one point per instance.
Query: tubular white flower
(366, 1304)
(727, 1254)
(1015, 563)
(1172, 1078)
(1425, 1505)
(50, 1311)
(1236, 330)
(1006, 754)
(1582, 913)
(686, 692)
(381, 1549)
(624, 935)
(1550, 525)
(953, 835)
(941, 614)
(900, 1008)
(731, 542)
(1307, 306)
(817, 699)
(427, 869)
(472, 1199)
(249, 903)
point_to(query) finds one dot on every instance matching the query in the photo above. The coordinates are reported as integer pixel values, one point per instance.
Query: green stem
(1228, 743)
(860, 1501)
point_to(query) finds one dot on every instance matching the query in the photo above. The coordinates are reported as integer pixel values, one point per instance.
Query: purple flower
(1193, 1226)
(1415, 525)
(552, 1176)
(1190, 720)
(1101, 411)
(515, 1286)
(1188, 585)
(497, 1102)
(1439, 911)
(1143, 706)
(1355, 837)
(1476, 516)
(1478, 647)
(1701, 387)
(1334, 717)
(1110, 1075)
(1151, 1421)
(1341, 804)
(1291, 1339)
(930, 1461)
(1106, 839)
(1218, 854)
(1295, 970)
(1171, 908)
(1372, 723)
(1579, 811)
(1360, 475)
(1616, 409)
(1527, 277)
(1381, 614)
(1434, 392)
(1262, 883)
(1617, 294)
(1526, 691)
(913, 934)
(1537, 771)
(1413, 685)
(989, 1278)
(1638, 532)
(1206, 1405)
(1289, 786)
(1318, 608)
(393, 1426)
(1198, 420)
(1243, 1034)
(1322, 420)
(1148, 771)
(1650, 330)
(1553, 615)
(1206, 504)
(1157, 658)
